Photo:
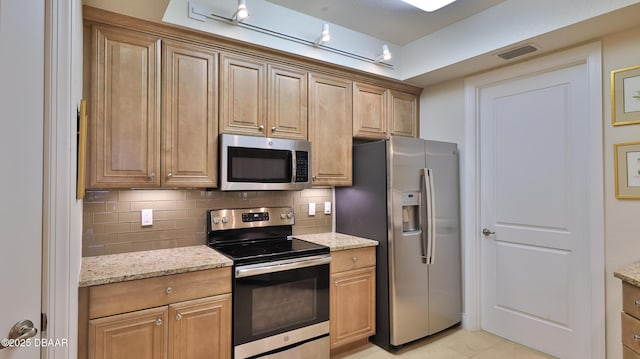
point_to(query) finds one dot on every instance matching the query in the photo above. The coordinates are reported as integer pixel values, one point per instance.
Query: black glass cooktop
(265, 250)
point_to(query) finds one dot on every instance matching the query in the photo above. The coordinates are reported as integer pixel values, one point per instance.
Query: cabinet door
(353, 306)
(136, 335)
(243, 98)
(403, 114)
(287, 113)
(190, 116)
(330, 130)
(201, 328)
(369, 111)
(125, 114)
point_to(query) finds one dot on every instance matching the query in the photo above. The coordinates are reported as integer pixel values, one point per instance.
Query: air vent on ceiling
(527, 49)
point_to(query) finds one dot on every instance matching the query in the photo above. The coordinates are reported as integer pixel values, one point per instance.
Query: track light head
(386, 54)
(325, 36)
(241, 13)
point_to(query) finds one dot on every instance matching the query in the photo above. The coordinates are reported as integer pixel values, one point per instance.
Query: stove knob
(224, 219)
(290, 215)
(216, 220)
(283, 216)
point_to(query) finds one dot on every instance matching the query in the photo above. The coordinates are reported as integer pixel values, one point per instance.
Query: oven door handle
(279, 266)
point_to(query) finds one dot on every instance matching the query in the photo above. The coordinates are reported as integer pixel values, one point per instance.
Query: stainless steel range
(280, 285)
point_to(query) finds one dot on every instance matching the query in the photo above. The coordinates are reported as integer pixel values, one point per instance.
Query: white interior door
(534, 176)
(21, 151)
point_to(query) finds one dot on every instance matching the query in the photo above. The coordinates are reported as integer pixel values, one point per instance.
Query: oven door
(280, 304)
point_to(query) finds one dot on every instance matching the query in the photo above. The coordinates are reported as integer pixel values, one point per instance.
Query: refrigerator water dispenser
(410, 212)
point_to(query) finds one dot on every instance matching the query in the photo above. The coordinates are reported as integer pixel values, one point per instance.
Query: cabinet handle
(261, 127)
(169, 290)
(354, 259)
(152, 175)
(178, 316)
(637, 302)
(273, 129)
(636, 337)
(170, 174)
(159, 321)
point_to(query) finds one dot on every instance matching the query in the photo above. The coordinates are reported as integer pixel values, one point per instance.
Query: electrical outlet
(147, 217)
(327, 208)
(312, 209)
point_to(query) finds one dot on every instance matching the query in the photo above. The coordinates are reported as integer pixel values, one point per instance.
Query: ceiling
(390, 20)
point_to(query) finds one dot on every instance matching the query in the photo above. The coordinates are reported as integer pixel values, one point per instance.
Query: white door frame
(591, 55)
(62, 214)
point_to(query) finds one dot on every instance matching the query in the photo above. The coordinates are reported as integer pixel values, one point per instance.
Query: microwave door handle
(294, 164)
(430, 217)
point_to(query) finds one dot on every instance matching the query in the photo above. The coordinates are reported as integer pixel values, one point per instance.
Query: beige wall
(622, 217)
(442, 118)
(111, 219)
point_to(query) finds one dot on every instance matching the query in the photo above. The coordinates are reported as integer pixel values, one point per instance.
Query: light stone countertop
(629, 274)
(122, 267)
(338, 241)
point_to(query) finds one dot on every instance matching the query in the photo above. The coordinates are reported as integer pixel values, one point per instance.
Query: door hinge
(44, 322)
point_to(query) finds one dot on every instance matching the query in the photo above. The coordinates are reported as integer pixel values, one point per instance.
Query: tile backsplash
(111, 219)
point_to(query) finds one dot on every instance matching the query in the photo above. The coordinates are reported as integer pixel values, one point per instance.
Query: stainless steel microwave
(250, 163)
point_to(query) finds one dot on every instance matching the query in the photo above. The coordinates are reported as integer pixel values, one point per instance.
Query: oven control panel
(223, 219)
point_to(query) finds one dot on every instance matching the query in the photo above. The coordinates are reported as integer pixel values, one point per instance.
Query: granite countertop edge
(338, 241)
(116, 268)
(629, 274)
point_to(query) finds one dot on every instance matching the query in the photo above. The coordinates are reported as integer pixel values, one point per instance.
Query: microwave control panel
(302, 166)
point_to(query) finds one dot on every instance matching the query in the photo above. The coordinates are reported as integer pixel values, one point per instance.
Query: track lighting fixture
(386, 54)
(241, 13)
(325, 36)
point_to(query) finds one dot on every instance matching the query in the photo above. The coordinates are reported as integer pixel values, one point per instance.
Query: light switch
(147, 217)
(327, 208)
(312, 209)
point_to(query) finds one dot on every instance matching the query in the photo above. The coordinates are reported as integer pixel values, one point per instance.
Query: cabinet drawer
(139, 294)
(352, 259)
(629, 354)
(631, 299)
(631, 331)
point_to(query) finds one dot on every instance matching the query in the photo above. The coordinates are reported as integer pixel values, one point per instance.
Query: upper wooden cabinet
(134, 143)
(379, 112)
(125, 109)
(243, 98)
(262, 99)
(190, 115)
(369, 111)
(287, 114)
(330, 130)
(403, 114)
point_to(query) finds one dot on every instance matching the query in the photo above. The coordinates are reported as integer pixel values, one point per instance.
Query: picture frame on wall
(627, 170)
(625, 96)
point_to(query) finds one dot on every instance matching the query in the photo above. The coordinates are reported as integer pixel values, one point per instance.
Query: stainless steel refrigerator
(405, 195)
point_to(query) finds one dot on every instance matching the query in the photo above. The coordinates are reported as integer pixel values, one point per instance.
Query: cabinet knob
(273, 129)
(169, 290)
(178, 316)
(637, 302)
(152, 175)
(354, 259)
(313, 178)
(335, 283)
(159, 322)
(261, 127)
(636, 337)
(170, 174)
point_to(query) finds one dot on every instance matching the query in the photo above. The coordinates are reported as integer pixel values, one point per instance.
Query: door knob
(487, 232)
(21, 330)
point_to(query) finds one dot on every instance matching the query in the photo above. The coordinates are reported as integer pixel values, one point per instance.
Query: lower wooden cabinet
(630, 321)
(352, 292)
(181, 316)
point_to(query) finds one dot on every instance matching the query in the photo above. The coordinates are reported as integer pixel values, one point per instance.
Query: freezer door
(408, 290)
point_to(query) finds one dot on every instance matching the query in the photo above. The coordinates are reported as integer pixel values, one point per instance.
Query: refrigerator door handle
(429, 235)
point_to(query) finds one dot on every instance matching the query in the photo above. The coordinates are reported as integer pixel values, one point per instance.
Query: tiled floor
(454, 343)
